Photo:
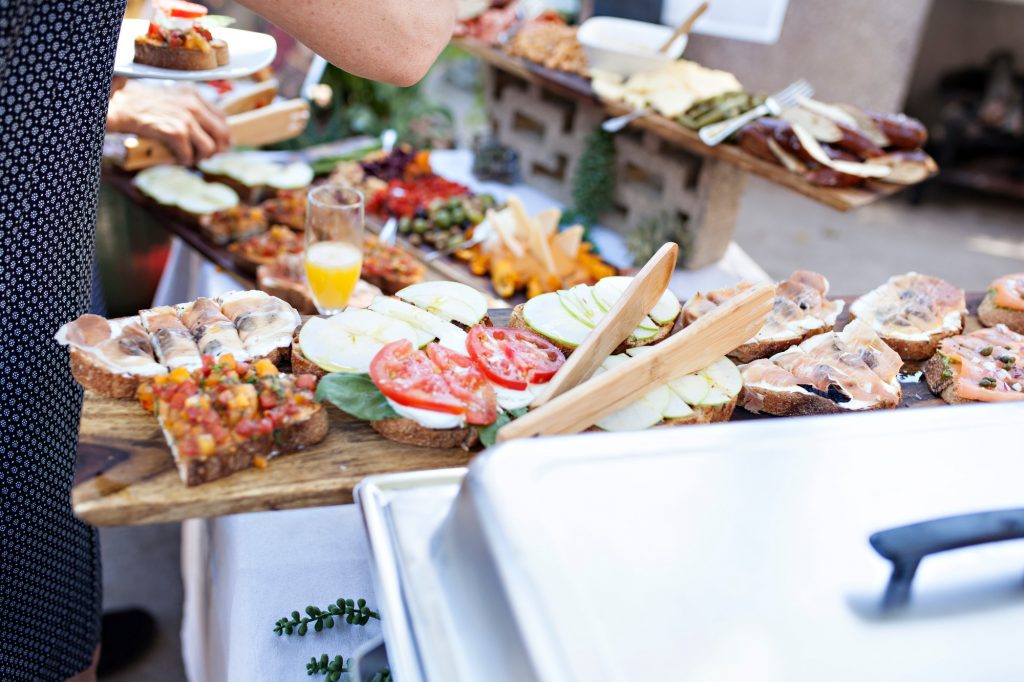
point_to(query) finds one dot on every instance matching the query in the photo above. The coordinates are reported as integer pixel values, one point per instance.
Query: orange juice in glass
(334, 245)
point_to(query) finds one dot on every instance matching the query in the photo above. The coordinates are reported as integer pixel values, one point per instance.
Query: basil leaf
(216, 21)
(355, 394)
(489, 433)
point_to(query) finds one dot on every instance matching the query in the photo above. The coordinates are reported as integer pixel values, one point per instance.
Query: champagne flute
(334, 245)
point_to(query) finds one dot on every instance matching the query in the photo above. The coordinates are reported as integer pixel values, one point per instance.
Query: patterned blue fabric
(56, 59)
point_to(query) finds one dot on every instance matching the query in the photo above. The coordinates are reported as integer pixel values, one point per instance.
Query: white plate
(249, 52)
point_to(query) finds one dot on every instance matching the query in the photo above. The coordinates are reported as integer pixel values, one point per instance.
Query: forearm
(394, 41)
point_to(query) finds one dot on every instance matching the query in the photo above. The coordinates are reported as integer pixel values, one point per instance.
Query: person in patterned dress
(56, 66)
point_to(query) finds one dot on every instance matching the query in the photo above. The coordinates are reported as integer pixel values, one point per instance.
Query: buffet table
(241, 573)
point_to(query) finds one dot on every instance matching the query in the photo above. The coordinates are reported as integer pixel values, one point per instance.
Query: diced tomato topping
(305, 382)
(268, 400)
(266, 425)
(154, 29)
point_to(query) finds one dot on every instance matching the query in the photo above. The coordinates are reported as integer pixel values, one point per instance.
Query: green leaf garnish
(489, 433)
(355, 394)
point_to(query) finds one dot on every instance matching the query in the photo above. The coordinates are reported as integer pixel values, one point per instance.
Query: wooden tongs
(569, 406)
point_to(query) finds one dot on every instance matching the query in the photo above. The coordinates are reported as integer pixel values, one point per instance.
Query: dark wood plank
(576, 87)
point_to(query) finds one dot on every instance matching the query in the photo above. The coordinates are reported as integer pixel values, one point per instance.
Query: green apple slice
(585, 300)
(726, 376)
(643, 413)
(429, 326)
(608, 290)
(573, 308)
(448, 300)
(293, 176)
(546, 315)
(692, 388)
(348, 341)
(676, 407)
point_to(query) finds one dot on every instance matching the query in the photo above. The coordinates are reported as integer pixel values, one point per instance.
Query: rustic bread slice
(944, 387)
(407, 431)
(989, 314)
(517, 321)
(293, 437)
(918, 349)
(98, 378)
(181, 58)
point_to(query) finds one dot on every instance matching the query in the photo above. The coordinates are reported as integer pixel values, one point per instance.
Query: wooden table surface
(124, 474)
(576, 87)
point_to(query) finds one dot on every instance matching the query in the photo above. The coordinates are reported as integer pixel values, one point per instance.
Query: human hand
(176, 116)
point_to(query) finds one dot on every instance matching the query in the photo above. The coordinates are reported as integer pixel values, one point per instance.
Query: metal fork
(718, 132)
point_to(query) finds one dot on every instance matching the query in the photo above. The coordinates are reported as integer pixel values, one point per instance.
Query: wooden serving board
(576, 87)
(124, 474)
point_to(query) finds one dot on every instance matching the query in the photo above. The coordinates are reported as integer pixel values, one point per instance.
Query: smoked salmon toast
(1004, 303)
(834, 372)
(913, 313)
(800, 310)
(986, 365)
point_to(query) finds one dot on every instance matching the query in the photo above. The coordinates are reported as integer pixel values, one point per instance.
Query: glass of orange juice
(334, 245)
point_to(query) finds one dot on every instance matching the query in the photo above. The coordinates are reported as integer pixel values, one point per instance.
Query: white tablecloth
(241, 573)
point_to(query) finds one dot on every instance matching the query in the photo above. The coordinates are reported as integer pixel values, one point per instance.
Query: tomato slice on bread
(410, 378)
(513, 358)
(181, 9)
(467, 382)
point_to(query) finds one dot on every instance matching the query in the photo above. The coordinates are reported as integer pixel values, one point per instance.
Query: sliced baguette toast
(896, 308)
(98, 378)
(181, 58)
(942, 386)
(407, 431)
(198, 470)
(990, 314)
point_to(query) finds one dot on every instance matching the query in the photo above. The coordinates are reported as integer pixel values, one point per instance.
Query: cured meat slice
(265, 323)
(121, 345)
(912, 306)
(172, 340)
(214, 333)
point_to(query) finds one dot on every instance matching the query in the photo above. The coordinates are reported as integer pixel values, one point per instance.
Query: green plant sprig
(325, 666)
(354, 612)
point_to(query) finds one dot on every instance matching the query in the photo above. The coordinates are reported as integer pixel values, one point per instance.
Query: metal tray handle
(906, 546)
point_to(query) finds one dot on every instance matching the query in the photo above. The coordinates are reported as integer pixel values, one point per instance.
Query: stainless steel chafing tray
(767, 550)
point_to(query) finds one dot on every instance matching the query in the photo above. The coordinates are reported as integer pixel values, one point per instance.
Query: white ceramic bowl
(625, 46)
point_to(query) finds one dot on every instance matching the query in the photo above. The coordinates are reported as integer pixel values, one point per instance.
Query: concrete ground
(966, 238)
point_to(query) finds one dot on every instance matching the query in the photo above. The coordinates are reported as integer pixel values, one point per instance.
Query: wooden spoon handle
(643, 292)
(684, 28)
(710, 337)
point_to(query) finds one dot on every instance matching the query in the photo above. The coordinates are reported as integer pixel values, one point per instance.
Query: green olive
(420, 225)
(443, 218)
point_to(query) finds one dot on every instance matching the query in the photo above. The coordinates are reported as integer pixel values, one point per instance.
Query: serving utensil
(614, 125)
(698, 345)
(685, 27)
(791, 95)
(643, 292)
